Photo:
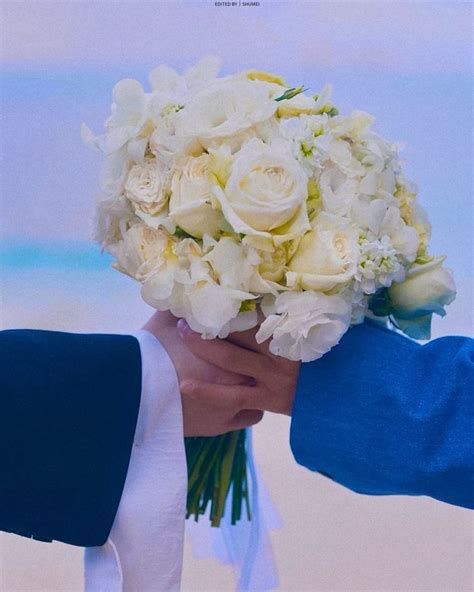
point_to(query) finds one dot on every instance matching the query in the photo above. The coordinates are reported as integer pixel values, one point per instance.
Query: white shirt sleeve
(145, 547)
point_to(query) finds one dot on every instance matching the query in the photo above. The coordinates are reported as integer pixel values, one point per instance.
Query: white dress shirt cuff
(145, 547)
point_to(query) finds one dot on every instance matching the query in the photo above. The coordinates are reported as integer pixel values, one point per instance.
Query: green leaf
(290, 93)
(380, 303)
(247, 306)
(180, 233)
(423, 259)
(333, 112)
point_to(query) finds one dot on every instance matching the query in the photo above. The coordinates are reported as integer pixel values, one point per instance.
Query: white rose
(304, 325)
(190, 202)
(326, 257)
(141, 252)
(266, 190)
(146, 186)
(225, 109)
(427, 289)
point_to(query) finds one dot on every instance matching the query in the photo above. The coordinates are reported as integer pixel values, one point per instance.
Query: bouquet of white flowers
(221, 195)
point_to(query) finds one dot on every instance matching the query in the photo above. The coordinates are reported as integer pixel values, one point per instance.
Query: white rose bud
(427, 289)
(266, 189)
(190, 202)
(146, 186)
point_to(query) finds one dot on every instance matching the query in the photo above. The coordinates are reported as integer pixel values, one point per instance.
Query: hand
(202, 417)
(274, 377)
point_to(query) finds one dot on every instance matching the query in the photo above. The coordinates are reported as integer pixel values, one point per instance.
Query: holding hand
(203, 416)
(273, 378)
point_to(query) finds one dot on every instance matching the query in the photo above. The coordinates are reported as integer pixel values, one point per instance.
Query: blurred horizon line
(35, 82)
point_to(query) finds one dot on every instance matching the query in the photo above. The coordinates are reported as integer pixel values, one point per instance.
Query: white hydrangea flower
(378, 219)
(309, 140)
(378, 265)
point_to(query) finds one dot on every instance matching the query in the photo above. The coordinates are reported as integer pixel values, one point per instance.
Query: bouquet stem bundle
(217, 465)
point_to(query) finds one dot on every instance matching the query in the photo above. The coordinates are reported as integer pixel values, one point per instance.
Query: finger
(245, 419)
(160, 320)
(232, 398)
(225, 355)
(246, 339)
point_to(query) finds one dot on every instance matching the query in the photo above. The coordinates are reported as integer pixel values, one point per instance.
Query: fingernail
(186, 387)
(182, 326)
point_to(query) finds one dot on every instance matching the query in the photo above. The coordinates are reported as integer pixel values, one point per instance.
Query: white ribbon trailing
(245, 545)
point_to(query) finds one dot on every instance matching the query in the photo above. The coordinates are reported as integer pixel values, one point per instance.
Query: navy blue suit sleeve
(381, 414)
(68, 412)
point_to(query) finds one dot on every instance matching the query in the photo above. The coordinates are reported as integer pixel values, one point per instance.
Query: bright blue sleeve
(381, 414)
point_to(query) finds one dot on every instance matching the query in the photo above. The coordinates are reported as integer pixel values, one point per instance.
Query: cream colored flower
(427, 289)
(142, 251)
(146, 186)
(190, 202)
(266, 191)
(326, 256)
(273, 264)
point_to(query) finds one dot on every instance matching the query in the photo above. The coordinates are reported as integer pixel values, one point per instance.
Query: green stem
(216, 469)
